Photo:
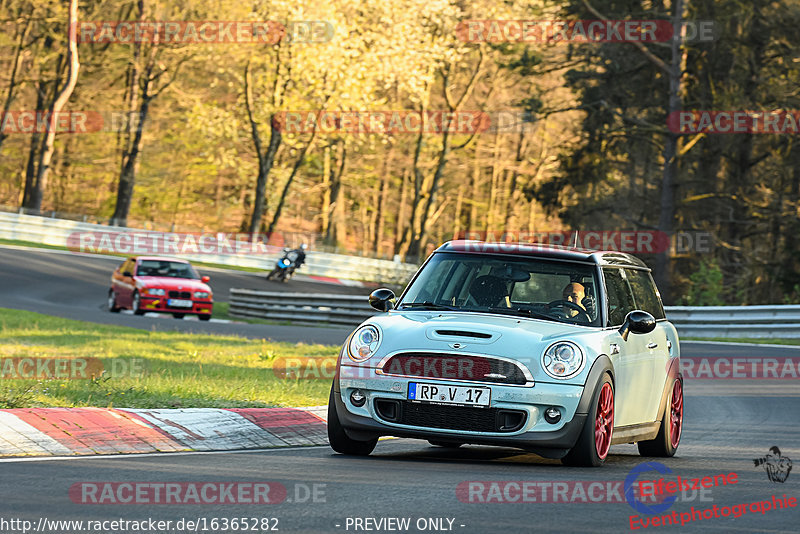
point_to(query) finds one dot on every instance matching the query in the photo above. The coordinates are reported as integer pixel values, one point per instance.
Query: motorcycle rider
(297, 257)
(300, 256)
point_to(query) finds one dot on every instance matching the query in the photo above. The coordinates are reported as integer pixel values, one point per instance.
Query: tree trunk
(324, 211)
(401, 213)
(473, 224)
(415, 247)
(33, 150)
(495, 184)
(418, 177)
(127, 174)
(73, 66)
(300, 160)
(335, 231)
(382, 193)
(666, 218)
(12, 83)
(512, 186)
(127, 178)
(265, 159)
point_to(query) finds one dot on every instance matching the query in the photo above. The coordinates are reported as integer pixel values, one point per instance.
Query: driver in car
(574, 293)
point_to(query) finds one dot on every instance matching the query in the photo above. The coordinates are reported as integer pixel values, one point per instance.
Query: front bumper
(535, 434)
(159, 304)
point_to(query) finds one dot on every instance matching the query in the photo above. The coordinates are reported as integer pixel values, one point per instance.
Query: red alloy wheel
(676, 414)
(604, 421)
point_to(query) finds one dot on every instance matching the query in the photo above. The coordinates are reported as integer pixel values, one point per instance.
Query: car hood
(519, 338)
(169, 282)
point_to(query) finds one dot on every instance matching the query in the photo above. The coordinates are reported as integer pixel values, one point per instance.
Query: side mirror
(382, 299)
(205, 279)
(127, 273)
(638, 322)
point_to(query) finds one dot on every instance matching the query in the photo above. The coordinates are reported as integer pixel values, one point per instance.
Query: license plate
(178, 303)
(455, 395)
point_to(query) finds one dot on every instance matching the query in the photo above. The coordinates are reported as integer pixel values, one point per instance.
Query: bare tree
(58, 103)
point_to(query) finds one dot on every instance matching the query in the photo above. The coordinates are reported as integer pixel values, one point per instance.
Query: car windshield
(173, 269)
(525, 287)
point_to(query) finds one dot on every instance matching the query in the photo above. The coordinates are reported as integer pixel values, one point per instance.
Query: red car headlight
(202, 294)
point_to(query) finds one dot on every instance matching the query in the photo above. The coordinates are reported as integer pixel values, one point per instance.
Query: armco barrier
(779, 321)
(47, 231)
(301, 307)
(770, 321)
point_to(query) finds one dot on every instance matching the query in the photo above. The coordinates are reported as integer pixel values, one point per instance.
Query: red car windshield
(172, 269)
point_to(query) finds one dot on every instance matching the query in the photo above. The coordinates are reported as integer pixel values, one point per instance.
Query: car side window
(620, 300)
(645, 293)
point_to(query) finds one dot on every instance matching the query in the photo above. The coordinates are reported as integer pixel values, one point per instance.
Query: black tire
(112, 302)
(204, 317)
(271, 275)
(445, 444)
(339, 440)
(661, 446)
(136, 304)
(178, 315)
(584, 453)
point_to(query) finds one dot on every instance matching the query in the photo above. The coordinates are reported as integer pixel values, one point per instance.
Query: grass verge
(151, 369)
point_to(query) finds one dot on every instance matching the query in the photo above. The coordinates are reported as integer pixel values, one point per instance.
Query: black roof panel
(536, 250)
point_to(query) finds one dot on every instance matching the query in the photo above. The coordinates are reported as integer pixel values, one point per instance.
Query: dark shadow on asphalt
(480, 455)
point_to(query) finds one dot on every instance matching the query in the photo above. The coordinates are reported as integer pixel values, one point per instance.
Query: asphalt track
(75, 286)
(728, 423)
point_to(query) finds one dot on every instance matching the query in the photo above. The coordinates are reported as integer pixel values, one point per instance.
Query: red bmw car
(167, 285)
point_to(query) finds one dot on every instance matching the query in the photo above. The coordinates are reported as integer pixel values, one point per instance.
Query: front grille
(450, 417)
(180, 294)
(455, 367)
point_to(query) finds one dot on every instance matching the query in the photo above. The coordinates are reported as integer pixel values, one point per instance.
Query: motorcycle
(284, 267)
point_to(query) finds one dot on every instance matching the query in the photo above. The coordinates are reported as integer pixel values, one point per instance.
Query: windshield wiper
(521, 312)
(428, 305)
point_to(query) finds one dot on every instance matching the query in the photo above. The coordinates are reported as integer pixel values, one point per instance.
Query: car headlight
(154, 291)
(562, 360)
(364, 343)
(201, 294)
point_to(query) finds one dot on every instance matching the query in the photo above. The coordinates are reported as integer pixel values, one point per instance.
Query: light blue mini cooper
(556, 351)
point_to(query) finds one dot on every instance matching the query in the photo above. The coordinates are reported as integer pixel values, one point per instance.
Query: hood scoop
(463, 333)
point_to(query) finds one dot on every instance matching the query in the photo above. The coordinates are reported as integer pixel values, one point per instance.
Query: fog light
(357, 398)
(552, 415)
